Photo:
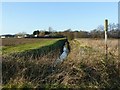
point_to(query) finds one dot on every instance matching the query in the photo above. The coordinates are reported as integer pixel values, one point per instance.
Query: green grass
(27, 68)
(27, 46)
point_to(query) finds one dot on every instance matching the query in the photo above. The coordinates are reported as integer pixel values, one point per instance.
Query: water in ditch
(63, 56)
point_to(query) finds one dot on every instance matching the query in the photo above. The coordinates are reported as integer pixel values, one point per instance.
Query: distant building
(46, 36)
(28, 36)
(25, 35)
(19, 36)
(35, 35)
(2, 36)
(7, 36)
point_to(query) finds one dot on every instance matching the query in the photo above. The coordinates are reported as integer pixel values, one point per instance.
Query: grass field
(85, 67)
(20, 45)
(19, 54)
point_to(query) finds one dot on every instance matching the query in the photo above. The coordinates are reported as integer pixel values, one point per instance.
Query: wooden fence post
(106, 29)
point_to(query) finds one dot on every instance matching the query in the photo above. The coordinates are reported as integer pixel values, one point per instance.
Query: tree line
(113, 32)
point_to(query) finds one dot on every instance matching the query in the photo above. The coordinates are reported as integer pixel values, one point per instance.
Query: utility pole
(106, 29)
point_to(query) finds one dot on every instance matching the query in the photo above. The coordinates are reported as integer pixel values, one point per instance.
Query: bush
(70, 36)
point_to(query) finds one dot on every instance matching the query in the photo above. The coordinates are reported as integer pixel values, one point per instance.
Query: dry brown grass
(24, 70)
(31, 72)
(19, 41)
(85, 67)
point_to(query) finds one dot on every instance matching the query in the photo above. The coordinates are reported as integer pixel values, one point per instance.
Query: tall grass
(85, 67)
(31, 67)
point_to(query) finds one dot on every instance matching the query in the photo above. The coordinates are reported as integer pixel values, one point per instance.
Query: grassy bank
(13, 46)
(85, 67)
(29, 67)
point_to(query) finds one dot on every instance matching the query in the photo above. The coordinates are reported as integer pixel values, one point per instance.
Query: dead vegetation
(85, 67)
